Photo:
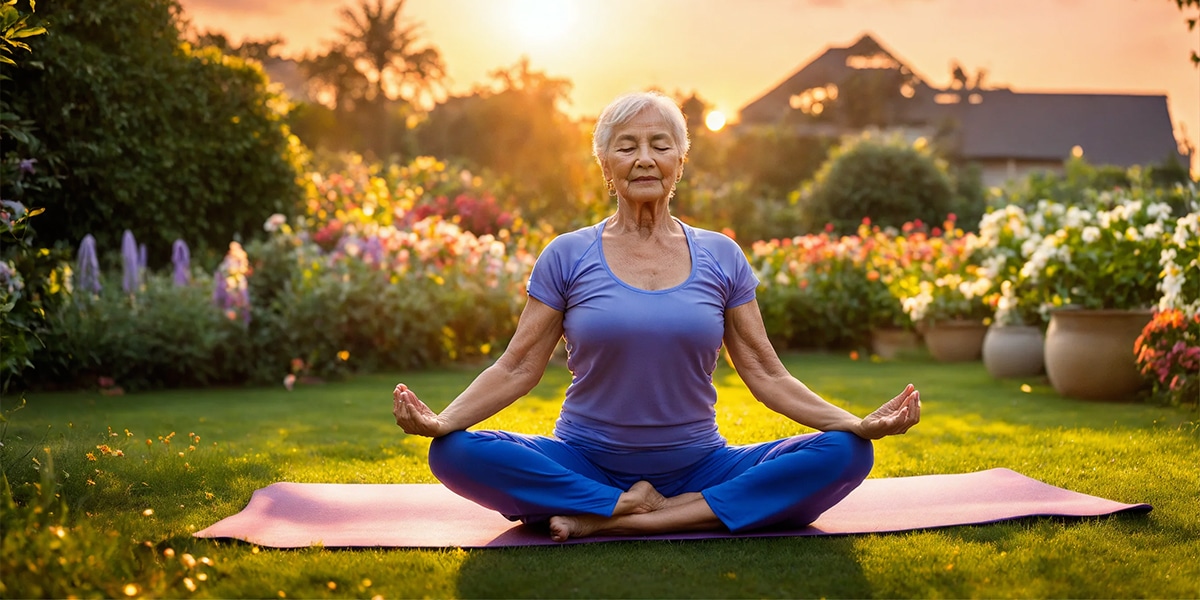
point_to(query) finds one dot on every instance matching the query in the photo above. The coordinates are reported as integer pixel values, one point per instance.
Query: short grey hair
(626, 107)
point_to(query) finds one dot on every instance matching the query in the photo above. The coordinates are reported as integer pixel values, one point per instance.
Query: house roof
(831, 66)
(1111, 129)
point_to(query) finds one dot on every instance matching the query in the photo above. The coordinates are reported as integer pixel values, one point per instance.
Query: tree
(515, 128)
(251, 49)
(145, 133)
(1184, 5)
(389, 52)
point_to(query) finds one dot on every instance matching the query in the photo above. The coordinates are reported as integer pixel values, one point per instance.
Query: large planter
(1014, 351)
(955, 341)
(893, 343)
(1089, 353)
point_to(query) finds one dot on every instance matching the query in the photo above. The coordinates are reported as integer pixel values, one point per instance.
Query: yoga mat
(297, 515)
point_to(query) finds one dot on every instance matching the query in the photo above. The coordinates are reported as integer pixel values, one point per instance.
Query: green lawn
(123, 520)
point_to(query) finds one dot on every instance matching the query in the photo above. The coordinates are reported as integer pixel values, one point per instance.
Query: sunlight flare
(714, 120)
(542, 20)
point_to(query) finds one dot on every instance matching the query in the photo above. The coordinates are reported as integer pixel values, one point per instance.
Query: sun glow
(543, 20)
(714, 120)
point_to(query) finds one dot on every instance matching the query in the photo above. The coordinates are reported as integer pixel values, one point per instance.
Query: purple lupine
(88, 266)
(129, 262)
(141, 261)
(181, 258)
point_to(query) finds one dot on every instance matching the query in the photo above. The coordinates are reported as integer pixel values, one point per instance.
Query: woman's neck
(647, 219)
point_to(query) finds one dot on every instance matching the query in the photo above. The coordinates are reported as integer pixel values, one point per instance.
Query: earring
(611, 187)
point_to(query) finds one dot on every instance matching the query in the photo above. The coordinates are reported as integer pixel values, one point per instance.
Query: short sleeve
(743, 283)
(548, 280)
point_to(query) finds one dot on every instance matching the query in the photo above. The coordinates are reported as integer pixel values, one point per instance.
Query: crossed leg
(685, 512)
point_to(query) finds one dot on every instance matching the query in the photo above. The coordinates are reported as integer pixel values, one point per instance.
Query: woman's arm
(759, 366)
(513, 375)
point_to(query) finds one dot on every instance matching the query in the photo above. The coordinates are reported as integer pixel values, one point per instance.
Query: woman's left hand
(895, 417)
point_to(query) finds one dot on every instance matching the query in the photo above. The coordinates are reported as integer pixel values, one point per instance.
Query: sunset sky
(732, 51)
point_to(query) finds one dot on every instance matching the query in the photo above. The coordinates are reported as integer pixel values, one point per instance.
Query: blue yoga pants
(532, 478)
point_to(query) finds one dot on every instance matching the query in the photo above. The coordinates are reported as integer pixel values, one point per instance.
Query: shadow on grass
(766, 568)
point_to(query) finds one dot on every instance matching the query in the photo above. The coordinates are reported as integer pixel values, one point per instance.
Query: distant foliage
(887, 181)
(140, 131)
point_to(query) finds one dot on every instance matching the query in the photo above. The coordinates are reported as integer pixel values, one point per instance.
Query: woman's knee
(856, 454)
(452, 452)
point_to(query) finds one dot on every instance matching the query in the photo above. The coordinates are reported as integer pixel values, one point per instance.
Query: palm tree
(394, 57)
(334, 73)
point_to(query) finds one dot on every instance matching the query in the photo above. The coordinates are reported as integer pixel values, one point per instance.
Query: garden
(163, 357)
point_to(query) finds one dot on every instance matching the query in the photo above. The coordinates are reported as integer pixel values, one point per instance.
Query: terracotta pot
(1089, 353)
(955, 341)
(1014, 351)
(892, 343)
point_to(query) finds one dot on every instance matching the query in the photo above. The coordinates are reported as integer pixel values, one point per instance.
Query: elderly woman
(645, 304)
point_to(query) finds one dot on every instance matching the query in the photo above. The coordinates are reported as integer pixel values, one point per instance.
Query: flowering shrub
(33, 282)
(824, 291)
(388, 298)
(1097, 258)
(933, 272)
(1168, 353)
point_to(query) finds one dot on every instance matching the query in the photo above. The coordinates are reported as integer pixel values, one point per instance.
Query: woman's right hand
(413, 416)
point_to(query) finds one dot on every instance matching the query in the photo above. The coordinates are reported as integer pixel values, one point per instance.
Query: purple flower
(26, 165)
(87, 265)
(181, 258)
(129, 261)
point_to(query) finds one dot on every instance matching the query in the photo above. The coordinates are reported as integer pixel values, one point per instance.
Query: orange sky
(732, 51)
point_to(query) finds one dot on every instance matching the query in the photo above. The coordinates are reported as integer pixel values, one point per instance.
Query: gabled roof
(830, 67)
(1111, 129)
(998, 124)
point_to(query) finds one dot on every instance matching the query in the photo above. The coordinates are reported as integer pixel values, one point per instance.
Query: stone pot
(893, 342)
(1089, 353)
(1014, 351)
(955, 341)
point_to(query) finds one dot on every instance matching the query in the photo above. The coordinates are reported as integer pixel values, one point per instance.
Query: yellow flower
(344, 355)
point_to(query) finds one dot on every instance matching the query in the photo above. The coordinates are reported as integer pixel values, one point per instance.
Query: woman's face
(642, 160)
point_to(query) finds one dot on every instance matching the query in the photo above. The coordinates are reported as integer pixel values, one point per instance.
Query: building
(1008, 134)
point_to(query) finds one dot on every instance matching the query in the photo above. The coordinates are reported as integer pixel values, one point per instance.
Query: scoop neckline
(691, 242)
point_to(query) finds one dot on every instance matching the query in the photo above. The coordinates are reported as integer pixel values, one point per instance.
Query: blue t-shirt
(641, 397)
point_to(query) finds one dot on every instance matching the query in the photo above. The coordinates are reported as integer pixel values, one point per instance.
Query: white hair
(626, 107)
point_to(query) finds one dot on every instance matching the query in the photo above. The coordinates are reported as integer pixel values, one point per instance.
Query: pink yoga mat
(297, 515)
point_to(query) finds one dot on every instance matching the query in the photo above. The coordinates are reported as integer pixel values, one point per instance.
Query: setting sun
(542, 20)
(715, 120)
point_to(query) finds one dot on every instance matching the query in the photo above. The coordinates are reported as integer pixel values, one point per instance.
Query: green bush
(163, 336)
(888, 181)
(142, 132)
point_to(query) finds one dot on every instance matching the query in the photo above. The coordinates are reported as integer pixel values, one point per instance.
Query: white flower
(1090, 234)
(1159, 211)
(274, 222)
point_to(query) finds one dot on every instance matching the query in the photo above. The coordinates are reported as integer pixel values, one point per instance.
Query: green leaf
(32, 31)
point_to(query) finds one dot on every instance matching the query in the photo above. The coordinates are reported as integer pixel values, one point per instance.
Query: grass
(121, 525)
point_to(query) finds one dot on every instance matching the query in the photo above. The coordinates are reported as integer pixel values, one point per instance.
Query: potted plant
(943, 291)
(1099, 274)
(886, 257)
(1014, 343)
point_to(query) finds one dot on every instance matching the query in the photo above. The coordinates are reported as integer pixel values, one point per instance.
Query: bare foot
(577, 526)
(641, 498)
